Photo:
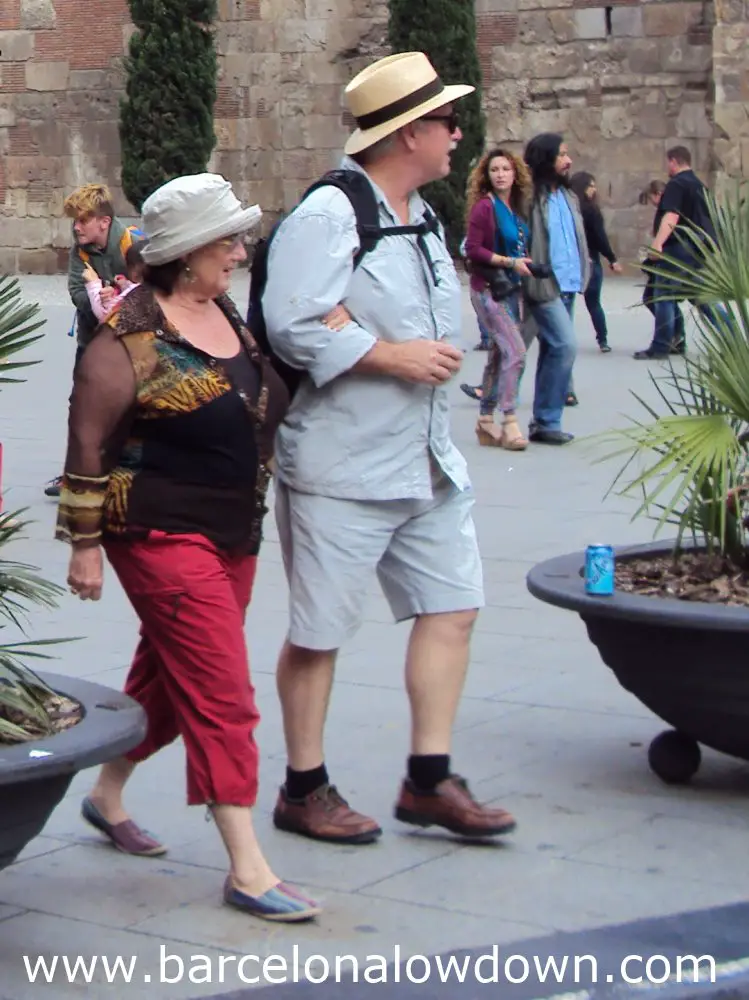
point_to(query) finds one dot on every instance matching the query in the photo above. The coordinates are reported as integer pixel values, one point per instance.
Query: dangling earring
(187, 276)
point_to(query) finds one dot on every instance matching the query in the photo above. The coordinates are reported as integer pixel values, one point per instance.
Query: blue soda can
(599, 570)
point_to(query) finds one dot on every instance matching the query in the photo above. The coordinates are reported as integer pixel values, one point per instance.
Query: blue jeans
(556, 356)
(669, 325)
(593, 302)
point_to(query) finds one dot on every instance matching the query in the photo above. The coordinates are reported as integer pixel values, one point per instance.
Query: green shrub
(166, 117)
(446, 31)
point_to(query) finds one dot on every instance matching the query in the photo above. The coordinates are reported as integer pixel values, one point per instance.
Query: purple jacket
(481, 237)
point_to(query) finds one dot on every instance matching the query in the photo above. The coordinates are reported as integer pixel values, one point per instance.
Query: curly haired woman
(499, 190)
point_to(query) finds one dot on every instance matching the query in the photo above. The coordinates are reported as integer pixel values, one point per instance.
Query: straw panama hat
(189, 212)
(393, 92)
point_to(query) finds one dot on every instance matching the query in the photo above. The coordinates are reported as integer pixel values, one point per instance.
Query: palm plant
(691, 457)
(28, 707)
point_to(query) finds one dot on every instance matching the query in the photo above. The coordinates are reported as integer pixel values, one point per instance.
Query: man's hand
(431, 362)
(616, 267)
(86, 573)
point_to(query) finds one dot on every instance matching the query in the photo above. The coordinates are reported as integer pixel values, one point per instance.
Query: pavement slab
(605, 856)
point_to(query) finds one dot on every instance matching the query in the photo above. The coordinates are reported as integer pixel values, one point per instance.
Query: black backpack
(360, 193)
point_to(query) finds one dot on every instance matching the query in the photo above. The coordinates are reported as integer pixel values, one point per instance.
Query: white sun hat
(190, 212)
(393, 92)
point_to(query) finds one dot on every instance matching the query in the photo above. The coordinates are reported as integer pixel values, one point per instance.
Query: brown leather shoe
(324, 815)
(452, 806)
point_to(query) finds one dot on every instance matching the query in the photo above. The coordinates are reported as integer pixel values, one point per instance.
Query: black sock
(299, 784)
(426, 771)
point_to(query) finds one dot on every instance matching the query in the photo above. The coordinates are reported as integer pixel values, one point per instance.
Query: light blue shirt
(564, 254)
(346, 435)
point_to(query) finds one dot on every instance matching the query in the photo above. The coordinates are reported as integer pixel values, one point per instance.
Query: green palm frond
(19, 322)
(687, 454)
(26, 701)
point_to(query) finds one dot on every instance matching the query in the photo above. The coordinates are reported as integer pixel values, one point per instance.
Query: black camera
(540, 270)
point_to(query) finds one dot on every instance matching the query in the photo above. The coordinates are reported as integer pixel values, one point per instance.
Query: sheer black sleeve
(101, 408)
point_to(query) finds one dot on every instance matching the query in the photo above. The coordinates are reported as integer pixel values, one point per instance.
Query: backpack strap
(360, 193)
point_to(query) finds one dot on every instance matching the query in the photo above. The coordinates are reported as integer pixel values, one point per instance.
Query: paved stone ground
(543, 729)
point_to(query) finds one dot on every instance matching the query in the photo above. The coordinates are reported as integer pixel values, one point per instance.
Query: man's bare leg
(436, 665)
(304, 680)
(307, 803)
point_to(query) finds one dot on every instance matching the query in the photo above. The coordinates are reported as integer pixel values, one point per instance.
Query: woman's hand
(86, 573)
(520, 266)
(89, 274)
(337, 318)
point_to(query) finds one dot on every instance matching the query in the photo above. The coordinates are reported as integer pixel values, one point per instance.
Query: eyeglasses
(238, 239)
(452, 122)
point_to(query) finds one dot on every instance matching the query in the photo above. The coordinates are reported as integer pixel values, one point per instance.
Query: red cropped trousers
(191, 672)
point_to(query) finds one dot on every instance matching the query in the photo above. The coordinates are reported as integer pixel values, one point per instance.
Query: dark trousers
(593, 301)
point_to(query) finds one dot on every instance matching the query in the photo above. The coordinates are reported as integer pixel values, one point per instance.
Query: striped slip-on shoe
(281, 904)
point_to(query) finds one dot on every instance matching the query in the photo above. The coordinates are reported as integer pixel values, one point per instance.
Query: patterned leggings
(506, 361)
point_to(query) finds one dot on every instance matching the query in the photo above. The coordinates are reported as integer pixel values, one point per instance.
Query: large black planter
(35, 776)
(686, 661)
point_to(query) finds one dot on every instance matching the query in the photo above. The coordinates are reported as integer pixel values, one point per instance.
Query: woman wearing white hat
(172, 421)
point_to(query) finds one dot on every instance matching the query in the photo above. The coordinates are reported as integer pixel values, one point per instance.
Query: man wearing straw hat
(369, 480)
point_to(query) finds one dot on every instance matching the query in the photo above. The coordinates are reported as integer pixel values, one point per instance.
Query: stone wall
(622, 79)
(731, 82)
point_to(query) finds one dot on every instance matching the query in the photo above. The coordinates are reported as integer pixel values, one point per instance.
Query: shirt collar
(416, 204)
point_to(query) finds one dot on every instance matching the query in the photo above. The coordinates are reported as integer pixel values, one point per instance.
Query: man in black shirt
(683, 200)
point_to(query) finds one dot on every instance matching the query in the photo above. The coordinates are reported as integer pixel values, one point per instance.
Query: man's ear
(408, 135)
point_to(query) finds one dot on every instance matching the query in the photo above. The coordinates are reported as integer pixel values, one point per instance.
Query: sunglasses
(452, 122)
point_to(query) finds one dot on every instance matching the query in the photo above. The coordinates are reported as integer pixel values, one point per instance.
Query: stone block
(312, 68)
(728, 157)
(244, 37)
(51, 137)
(651, 122)
(325, 99)
(677, 54)
(263, 133)
(645, 57)
(729, 11)
(544, 4)
(591, 22)
(20, 171)
(626, 22)
(26, 234)
(692, 122)
(7, 116)
(295, 35)
(616, 123)
(16, 46)
(313, 132)
(554, 62)
(496, 6)
(8, 261)
(47, 75)
(284, 10)
(563, 25)
(235, 70)
(669, 19)
(731, 121)
(38, 14)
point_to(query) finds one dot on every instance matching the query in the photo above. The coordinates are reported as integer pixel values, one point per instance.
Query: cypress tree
(166, 117)
(446, 31)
